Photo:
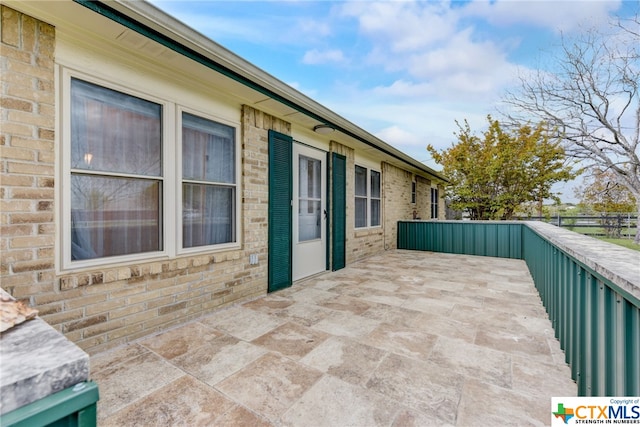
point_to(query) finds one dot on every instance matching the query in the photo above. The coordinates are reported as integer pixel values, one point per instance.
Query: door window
(310, 199)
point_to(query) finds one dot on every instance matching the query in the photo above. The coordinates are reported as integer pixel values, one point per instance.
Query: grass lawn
(596, 230)
(627, 243)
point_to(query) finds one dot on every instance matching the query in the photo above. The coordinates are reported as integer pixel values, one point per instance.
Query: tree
(602, 194)
(592, 97)
(493, 175)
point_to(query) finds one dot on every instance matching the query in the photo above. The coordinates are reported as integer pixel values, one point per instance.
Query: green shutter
(338, 213)
(280, 196)
(328, 209)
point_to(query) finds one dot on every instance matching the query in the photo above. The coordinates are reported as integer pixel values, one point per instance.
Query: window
(122, 183)
(208, 182)
(367, 198)
(413, 192)
(116, 173)
(361, 197)
(434, 203)
(375, 198)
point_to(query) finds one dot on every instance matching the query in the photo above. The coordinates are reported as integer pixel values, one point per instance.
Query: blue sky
(403, 70)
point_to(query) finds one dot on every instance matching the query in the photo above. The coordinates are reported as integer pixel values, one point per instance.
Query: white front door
(309, 211)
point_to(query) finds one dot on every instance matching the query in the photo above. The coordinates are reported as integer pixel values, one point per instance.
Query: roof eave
(162, 23)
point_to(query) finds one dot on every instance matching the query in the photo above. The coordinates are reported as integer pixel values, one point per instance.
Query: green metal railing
(73, 407)
(596, 321)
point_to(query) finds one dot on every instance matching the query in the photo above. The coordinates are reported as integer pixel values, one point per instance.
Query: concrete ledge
(37, 361)
(615, 263)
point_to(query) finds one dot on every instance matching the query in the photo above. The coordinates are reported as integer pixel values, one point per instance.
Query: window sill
(370, 231)
(215, 253)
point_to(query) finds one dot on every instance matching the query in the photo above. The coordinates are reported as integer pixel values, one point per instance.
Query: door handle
(325, 214)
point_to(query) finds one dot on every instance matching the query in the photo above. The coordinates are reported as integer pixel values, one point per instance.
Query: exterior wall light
(323, 129)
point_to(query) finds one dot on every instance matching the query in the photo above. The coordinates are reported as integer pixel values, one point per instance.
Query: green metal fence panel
(73, 407)
(463, 238)
(596, 322)
(587, 376)
(417, 236)
(632, 346)
(597, 326)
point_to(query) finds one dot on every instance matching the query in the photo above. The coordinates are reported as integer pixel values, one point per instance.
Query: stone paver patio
(400, 339)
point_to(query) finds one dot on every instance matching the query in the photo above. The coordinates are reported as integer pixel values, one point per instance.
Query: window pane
(375, 184)
(208, 150)
(361, 181)
(375, 212)
(309, 178)
(114, 132)
(208, 215)
(361, 212)
(309, 220)
(434, 203)
(413, 192)
(114, 216)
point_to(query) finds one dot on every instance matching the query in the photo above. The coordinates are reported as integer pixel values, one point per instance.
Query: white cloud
(409, 124)
(406, 89)
(397, 136)
(286, 28)
(429, 44)
(464, 68)
(315, 56)
(404, 26)
(558, 16)
(315, 28)
(216, 27)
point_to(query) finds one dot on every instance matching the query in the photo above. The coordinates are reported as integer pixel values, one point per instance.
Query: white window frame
(436, 205)
(171, 177)
(368, 198)
(179, 179)
(379, 198)
(414, 191)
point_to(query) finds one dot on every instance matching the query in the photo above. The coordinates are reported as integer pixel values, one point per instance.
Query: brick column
(442, 209)
(397, 201)
(28, 154)
(423, 198)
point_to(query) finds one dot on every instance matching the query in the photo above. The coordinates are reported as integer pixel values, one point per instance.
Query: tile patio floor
(401, 339)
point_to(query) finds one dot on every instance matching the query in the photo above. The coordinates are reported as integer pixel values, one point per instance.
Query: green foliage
(604, 194)
(492, 175)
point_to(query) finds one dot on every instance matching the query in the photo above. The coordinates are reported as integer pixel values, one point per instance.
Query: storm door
(309, 211)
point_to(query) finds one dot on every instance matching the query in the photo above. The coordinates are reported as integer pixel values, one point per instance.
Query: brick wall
(360, 243)
(27, 122)
(366, 243)
(423, 198)
(396, 200)
(107, 306)
(255, 199)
